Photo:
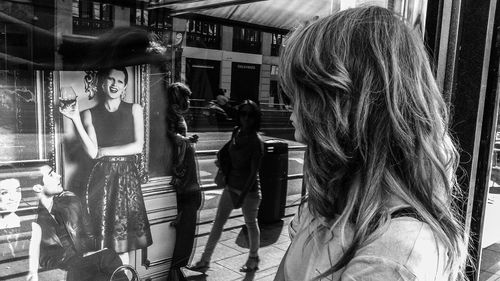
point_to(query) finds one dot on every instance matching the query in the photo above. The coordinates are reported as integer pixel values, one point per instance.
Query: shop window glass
(22, 119)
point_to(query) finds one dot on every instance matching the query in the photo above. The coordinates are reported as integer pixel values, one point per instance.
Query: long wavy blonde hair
(376, 127)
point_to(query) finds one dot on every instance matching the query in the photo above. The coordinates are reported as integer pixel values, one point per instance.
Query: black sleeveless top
(113, 128)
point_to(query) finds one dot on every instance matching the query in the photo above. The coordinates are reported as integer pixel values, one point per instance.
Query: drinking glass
(68, 97)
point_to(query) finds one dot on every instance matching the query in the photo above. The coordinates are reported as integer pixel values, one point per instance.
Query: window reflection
(21, 118)
(223, 62)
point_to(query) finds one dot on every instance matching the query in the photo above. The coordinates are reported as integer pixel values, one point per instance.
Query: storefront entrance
(245, 81)
(202, 76)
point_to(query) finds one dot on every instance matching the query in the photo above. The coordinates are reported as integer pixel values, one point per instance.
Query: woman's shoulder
(405, 235)
(258, 142)
(408, 246)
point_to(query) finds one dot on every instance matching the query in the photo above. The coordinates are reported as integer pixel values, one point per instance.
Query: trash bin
(273, 181)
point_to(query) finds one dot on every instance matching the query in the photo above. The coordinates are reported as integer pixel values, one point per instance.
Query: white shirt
(406, 250)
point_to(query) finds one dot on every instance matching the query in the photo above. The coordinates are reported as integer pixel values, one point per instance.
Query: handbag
(223, 159)
(124, 268)
(220, 178)
(224, 164)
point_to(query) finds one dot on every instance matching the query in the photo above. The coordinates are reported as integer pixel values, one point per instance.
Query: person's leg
(250, 210)
(223, 211)
(186, 228)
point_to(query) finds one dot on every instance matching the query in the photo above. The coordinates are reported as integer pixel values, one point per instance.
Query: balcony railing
(245, 46)
(203, 41)
(92, 27)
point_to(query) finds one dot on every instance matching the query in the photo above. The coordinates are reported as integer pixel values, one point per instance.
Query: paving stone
(282, 246)
(209, 214)
(221, 252)
(215, 273)
(494, 247)
(285, 231)
(266, 278)
(226, 235)
(490, 261)
(269, 257)
(231, 223)
(233, 245)
(264, 274)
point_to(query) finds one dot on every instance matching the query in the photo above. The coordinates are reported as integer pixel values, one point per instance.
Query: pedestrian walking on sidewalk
(239, 161)
(380, 165)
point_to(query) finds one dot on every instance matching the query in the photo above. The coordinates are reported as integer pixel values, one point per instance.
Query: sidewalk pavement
(232, 250)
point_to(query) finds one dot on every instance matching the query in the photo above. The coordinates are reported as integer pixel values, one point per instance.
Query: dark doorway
(202, 76)
(245, 81)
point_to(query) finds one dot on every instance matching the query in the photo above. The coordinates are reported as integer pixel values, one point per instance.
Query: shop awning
(280, 14)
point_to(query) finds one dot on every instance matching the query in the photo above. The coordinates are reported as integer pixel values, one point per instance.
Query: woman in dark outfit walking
(245, 151)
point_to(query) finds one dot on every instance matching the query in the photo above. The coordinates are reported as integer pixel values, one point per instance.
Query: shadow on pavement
(269, 234)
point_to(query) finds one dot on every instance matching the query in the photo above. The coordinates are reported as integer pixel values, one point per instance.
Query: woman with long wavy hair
(380, 164)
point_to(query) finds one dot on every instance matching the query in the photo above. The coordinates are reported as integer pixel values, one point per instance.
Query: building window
(157, 21)
(203, 34)
(276, 42)
(246, 40)
(139, 17)
(75, 9)
(274, 70)
(91, 18)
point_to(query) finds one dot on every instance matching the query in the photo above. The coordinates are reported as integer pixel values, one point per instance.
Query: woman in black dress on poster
(112, 133)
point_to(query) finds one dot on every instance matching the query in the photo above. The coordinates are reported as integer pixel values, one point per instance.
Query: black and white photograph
(226, 140)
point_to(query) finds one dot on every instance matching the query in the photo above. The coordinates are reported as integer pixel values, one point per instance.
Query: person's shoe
(251, 265)
(201, 266)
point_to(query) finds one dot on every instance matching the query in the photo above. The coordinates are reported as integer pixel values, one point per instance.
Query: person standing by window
(112, 133)
(184, 177)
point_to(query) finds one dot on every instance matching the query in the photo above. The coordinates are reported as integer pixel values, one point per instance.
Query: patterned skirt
(116, 206)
